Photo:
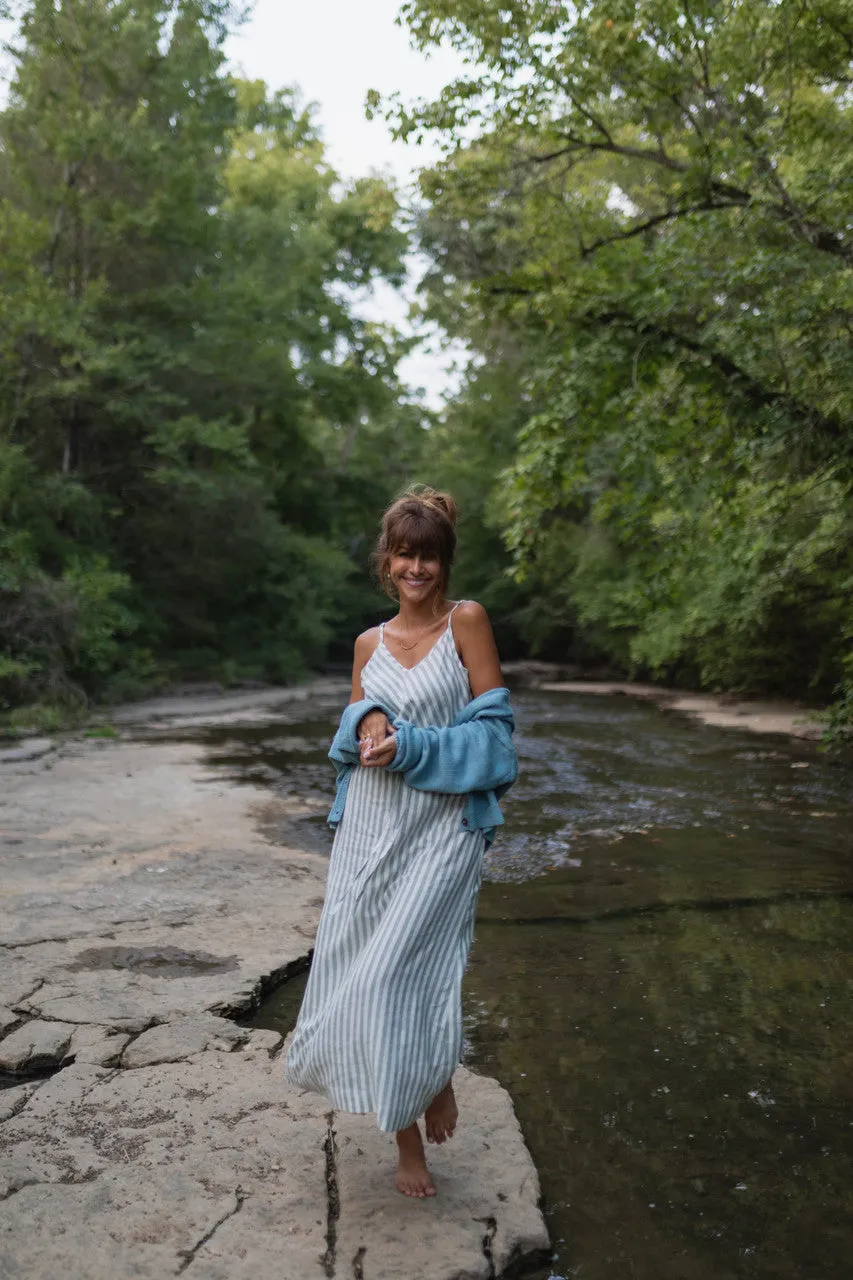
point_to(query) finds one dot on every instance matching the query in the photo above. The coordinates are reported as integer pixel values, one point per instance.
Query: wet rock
(159, 962)
(35, 1045)
(175, 1041)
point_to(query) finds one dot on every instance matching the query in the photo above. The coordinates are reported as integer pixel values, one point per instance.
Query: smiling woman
(424, 753)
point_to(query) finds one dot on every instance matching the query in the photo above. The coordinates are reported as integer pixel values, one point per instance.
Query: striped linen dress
(380, 1028)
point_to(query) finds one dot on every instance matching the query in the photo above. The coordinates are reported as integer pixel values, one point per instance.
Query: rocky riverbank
(723, 710)
(147, 901)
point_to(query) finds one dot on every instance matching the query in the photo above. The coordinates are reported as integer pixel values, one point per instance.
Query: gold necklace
(415, 643)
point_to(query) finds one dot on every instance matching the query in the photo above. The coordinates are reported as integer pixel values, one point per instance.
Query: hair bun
(442, 503)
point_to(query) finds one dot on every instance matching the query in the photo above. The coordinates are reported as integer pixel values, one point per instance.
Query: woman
(424, 751)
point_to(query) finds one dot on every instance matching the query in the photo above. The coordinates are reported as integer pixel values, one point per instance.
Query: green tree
(189, 402)
(653, 197)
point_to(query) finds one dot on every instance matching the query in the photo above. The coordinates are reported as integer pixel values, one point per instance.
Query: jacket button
(465, 822)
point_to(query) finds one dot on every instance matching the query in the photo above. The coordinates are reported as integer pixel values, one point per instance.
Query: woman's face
(415, 575)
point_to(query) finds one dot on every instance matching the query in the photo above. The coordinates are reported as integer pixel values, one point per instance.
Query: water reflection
(669, 1008)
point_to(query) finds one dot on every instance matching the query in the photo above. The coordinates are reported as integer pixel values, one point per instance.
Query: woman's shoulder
(368, 640)
(470, 615)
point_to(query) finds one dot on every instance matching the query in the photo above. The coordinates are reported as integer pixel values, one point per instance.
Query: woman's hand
(375, 725)
(377, 743)
(380, 755)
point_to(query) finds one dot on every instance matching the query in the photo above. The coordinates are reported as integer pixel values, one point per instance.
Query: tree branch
(702, 206)
(816, 234)
(746, 384)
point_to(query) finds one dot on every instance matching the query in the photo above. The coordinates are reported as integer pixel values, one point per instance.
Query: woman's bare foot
(441, 1115)
(412, 1174)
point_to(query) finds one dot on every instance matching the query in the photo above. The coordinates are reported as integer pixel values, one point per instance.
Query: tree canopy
(194, 420)
(645, 212)
(641, 227)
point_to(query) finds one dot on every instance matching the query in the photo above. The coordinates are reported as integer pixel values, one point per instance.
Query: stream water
(661, 978)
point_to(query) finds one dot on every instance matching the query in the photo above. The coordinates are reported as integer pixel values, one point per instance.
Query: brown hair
(422, 520)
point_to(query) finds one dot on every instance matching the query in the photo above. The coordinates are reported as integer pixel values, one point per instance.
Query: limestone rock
(137, 1173)
(268, 1042)
(27, 749)
(203, 1160)
(122, 1014)
(97, 1045)
(15, 1099)
(174, 1041)
(486, 1214)
(34, 1045)
(219, 1163)
(8, 1018)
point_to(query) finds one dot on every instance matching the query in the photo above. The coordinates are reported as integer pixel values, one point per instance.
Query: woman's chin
(415, 595)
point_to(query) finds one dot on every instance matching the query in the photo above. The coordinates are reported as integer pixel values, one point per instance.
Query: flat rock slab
(8, 1018)
(145, 899)
(175, 1041)
(35, 1045)
(26, 749)
(486, 1214)
(99, 1046)
(216, 1163)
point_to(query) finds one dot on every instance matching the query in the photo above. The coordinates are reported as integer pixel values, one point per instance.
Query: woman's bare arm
(365, 647)
(476, 647)
(374, 730)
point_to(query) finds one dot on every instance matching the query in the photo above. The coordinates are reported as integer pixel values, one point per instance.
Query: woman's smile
(414, 573)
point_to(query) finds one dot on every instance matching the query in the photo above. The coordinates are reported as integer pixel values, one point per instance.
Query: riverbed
(661, 978)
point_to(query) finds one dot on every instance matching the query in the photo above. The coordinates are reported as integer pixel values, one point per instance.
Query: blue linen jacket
(473, 757)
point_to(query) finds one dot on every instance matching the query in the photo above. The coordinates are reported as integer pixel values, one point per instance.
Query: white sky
(335, 51)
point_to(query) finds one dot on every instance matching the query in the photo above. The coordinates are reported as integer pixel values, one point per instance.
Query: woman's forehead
(412, 548)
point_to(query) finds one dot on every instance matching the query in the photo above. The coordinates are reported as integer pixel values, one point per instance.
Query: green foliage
(646, 203)
(196, 427)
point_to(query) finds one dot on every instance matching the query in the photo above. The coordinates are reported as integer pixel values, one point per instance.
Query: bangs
(420, 527)
(415, 532)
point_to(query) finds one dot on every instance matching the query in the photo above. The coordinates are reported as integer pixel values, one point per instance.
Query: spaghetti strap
(452, 611)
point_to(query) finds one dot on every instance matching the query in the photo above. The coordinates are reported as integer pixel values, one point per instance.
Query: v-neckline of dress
(422, 660)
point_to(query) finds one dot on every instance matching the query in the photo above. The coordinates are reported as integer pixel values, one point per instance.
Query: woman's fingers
(382, 753)
(373, 730)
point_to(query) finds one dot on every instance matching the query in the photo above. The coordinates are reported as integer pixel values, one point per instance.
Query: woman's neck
(421, 614)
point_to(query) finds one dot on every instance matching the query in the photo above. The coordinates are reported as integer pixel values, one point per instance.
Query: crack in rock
(189, 1255)
(17, 1006)
(249, 1001)
(491, 1225)
(96, 1084)
(20, 1186)
(358, 1264)
(22, 1102)
(333, 1199)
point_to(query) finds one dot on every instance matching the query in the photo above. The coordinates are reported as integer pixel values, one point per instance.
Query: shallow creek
(662, 979)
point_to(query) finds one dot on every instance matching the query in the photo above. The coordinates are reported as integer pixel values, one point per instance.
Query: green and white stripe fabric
(380, 1028)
